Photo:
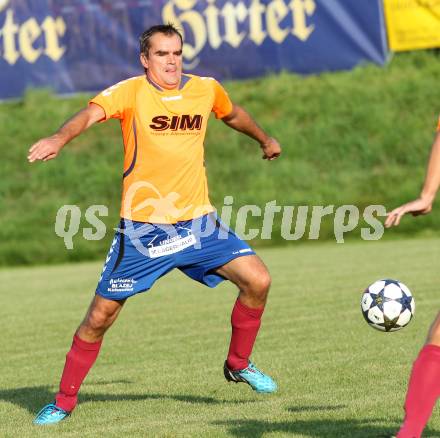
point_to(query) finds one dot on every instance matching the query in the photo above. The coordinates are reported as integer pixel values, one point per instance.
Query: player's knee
(98, 320)
(265, 281)
(260, 285)
(434, 332)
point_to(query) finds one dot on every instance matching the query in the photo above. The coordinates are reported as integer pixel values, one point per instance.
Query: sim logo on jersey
(185, 122)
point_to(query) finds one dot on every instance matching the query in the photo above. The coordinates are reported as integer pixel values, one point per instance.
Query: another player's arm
(241, 121)
(49, 147)
(423, 204)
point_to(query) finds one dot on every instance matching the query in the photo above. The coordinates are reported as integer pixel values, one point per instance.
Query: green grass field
(160, 370)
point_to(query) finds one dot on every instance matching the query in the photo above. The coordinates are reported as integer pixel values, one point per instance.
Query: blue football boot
(50, 414)
(251, 375)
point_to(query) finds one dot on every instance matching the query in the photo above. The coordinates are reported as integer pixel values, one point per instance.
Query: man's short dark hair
(166, 29)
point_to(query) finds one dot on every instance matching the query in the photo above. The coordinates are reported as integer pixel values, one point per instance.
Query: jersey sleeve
(116, 100)
(222, 104)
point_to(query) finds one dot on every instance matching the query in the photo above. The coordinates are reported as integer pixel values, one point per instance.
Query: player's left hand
(417, 207)
(271, 149)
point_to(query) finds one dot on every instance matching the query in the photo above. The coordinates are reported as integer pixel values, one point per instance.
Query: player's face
(164, 61)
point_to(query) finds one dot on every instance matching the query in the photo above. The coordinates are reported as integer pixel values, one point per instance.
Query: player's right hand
(45, 149)
(417, 207)
(271, 149)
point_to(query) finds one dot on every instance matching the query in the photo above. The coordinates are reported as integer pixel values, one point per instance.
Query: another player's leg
(253, 281)
(424, 385)
(81, 357)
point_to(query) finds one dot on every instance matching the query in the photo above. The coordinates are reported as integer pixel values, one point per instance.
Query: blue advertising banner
(87, 45)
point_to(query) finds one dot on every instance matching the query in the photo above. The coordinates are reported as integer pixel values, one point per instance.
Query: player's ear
(144, 60)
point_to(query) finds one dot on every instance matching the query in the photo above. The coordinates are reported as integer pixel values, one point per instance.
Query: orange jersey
(163, 133)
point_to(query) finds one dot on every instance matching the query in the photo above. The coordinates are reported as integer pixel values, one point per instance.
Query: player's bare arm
(49, 147)
(423, 204)
(240, 120)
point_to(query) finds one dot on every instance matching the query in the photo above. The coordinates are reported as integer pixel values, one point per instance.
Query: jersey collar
(183, 82)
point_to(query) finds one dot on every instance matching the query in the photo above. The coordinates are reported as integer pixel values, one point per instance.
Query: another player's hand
(45, 149)
(271, 149)
(422, 205)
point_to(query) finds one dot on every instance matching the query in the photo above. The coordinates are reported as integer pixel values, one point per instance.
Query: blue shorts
(142, 252)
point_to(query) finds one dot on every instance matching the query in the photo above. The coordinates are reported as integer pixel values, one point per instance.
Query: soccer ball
(388, 305)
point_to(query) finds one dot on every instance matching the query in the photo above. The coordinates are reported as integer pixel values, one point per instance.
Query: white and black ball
(388, 305)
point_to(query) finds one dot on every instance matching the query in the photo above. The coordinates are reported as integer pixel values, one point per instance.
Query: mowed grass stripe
(160, 370)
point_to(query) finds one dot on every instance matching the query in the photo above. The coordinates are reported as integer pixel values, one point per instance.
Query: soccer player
(424, 383)
(167, 220)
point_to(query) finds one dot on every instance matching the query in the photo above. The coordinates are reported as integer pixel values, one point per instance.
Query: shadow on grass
(35, 397)
(315, 408)
(328, 428)
(108, 382)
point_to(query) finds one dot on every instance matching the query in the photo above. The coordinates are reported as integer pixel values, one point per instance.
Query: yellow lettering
(9, 30)
(193, 19)
(256, 33)
(276, 12)
(232, 15)
(211, 14)
(54, 29)
(168, 16)
(3, 4)
(237, 20)
(29, 32)
(301, 9)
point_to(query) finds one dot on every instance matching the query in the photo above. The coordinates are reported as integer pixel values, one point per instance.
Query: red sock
(423, 391)
(79, 360)
(245, 324)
